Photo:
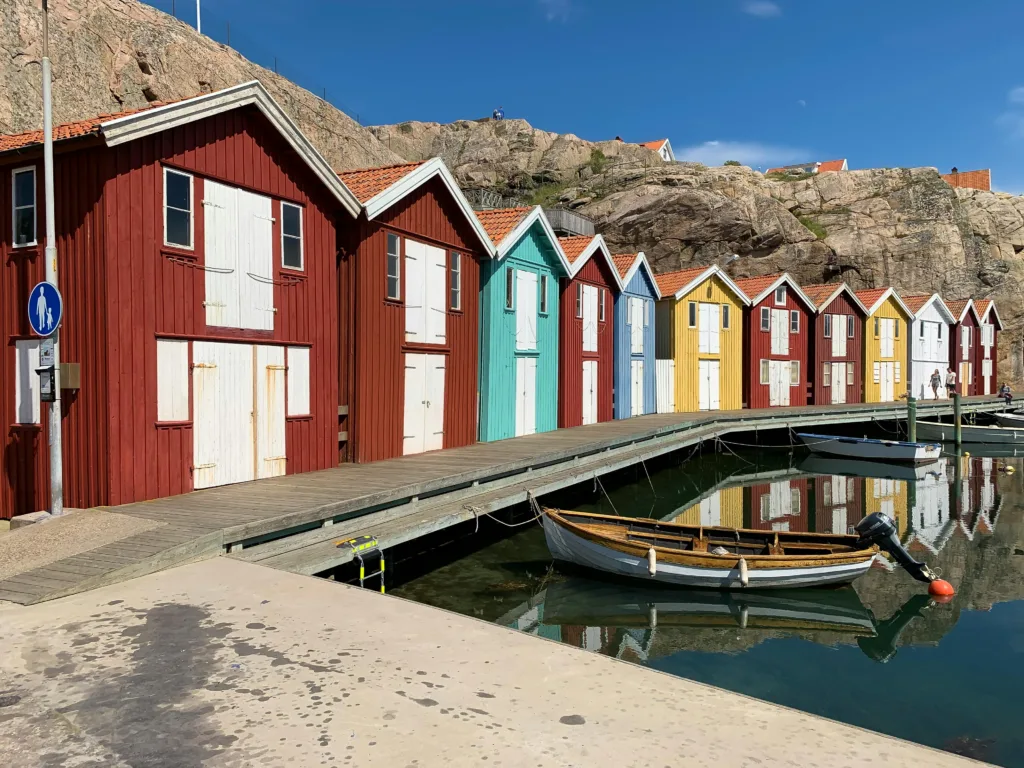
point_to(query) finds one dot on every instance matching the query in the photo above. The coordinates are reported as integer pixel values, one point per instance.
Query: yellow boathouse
(886, 372)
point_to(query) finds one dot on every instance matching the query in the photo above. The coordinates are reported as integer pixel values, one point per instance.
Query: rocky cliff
(112, 55)
(903, 227)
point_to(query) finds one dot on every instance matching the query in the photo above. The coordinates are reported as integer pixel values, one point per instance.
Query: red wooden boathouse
(586, 367)
(779, 505)
(963, 345)
(775, 331)
(836, 351)
(986, 381)
(410, 282)
(197, 258)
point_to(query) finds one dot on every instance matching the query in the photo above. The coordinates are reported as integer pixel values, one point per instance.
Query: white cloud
(1016, 95)
(763, 9)
(556, 10)
(801, 102)
(752, 153)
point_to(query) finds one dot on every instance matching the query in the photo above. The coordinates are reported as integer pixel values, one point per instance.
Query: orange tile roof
(753, 286)
(499, 222)
(957, 307)
(624, 262)
(825, 165)
(915, 300)
(819, 292)
(655, 145)
(66, 131)
(869, 296)
(367, 183)
(575, 246)
(670, 282)
(831, 165)
(982, 306)
(970, 179)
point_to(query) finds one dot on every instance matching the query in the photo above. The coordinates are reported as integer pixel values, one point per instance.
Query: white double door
(424, 403)
(986, 377)
(238, 413)
(778, 382)
(526, 396)
(887, 336)
(838, 382)
(886, 381)
(426, 293)
(708, 387)
(636, 388)
(590, 385)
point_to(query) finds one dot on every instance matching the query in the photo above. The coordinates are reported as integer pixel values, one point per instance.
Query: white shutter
(436, 295)
(433, 430)
(298, 381)
(220, 216)
(877, 372)
(526, 310)
(589, 318)
(637, 388)
(171, 380)
(529, 395)
(415, 403)
(636, 326)
(714, 328)
(838, 335)
(965, 341)
(703, 328)
(255, 273)
(270, 411)
(590, 391)
(26, 393)
(714, 385)
(780, 332)
(415, 292)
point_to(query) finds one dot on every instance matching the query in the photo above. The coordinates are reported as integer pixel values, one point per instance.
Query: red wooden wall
(570, 346)
(979, 355)
(377, 395)
(824, 516)
(956, 355)
(797, 521)
(821, 351)
(758, 346)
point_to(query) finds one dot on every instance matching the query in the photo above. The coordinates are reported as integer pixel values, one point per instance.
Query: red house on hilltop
(410, 282)
(775, 333)
(586, 365)
(837, 344)
(197, 248)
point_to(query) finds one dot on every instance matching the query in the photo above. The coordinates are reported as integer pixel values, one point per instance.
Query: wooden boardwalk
(291, 522)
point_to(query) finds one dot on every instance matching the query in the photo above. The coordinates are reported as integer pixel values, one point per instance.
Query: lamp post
(50, 259)
(199, 23)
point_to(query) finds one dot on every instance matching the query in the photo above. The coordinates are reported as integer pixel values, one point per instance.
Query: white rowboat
(896, 451)
(1009, 419)
(934, 430)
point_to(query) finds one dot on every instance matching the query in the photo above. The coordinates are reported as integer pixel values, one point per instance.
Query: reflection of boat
(1009, 419)
(934, 430)
(822, 465)
(874, 450)
(598, 603)
(699, 556)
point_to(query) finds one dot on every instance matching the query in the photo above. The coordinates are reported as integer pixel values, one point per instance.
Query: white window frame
(725, 317)
(398, 267)
(15, 208)
(849, 374)
(691, 314)
(780, 296)
(600, 312)
(579, 301)
(766, 319)
(455, 280)
(764, 376)
(826, 374)
(828, 327)
(300, 238)
(794, 373)
(921, 332)
(510, 289)
(191, 212)
(543, 309)
(794, 321)
(850, 330)
(647, 312)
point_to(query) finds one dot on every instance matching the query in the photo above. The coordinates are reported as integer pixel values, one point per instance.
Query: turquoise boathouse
(519, 324)
(635, 390)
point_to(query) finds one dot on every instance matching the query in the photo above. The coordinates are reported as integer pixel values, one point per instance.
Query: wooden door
(590, 391)
(839, 333)
(665, 371)
(887, 340)
(255, 261)
(711, 510)
(636, 394)
(886, 382)
(433, 429)
(220, 267)
(224, 440)
(526, 396)
(636, 326)
(415, 403)
(780, 331)
(838, 382)
(269, 413)
(708, 394)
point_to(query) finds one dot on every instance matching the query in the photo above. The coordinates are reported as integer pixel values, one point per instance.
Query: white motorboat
(994, 435)
(896, 451)
(1009, 419)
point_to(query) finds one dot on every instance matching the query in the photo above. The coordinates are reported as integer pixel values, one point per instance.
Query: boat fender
(652, 617)
(652, 561)
(744, 576)
(743, 617)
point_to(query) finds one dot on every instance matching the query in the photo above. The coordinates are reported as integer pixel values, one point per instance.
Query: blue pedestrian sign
(45, 308)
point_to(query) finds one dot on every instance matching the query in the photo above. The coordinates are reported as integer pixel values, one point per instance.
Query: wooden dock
(292, 522)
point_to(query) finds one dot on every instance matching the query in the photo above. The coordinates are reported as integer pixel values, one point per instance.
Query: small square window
(23, 189)
(456, 286)
(725, 316)
(766, 319)
(291, 236)
(394, 267)
(543, 294)
(510, 288)
(177, 209)
(692, 317)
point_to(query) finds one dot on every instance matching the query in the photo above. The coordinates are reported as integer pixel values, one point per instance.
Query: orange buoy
(940, 588)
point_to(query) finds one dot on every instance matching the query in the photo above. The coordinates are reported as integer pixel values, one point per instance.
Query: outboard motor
(878, 528)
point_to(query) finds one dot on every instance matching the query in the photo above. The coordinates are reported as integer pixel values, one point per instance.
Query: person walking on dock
(936, 382)
(950, 383)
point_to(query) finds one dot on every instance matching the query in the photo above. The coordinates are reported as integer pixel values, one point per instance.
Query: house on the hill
(635, 393)
(197, 244)
(987, 353)
(821, 166)
(929, 343)
(776, 326)
(836, 346)
(963, 340)
(885, 345)
(410, 281)
(519, 300)
(969, 179)
(663, 147)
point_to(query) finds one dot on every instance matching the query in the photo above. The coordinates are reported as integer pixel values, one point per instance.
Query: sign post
(45, 312)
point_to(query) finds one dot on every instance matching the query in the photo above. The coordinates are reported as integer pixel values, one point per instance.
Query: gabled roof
(507, 226)
(757, 288)
(382, 187)
(627, 265)
(833, 165)
(824, 294)
(984, 306)
(917, 303)
(872, 298)
(655, 145)
(960, 307)
(65, 131)
(678, 284)
(578, 250)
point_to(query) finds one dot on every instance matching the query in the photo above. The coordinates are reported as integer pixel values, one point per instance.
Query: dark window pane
(24, 226)
(393, 288)
(24, 189)
(291, 252)
(393, 246)
(179, 191)
(179, 228)
(291, 220)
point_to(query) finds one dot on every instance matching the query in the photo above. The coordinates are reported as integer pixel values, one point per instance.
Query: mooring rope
(601, 485)
(644, 465)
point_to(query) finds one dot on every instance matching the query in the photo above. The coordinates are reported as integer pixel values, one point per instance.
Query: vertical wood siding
(889, 496)
(821, 351)
(595, 272)
(640, 286)
(873, 352)
(687, 354)
(926, 358)
(831, 514)
(376, 417)
(498, 354)
(729, 505)
(758, 347)
(956, 351)
(797, 495)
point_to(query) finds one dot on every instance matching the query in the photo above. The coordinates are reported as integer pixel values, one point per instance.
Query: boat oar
(879, 529)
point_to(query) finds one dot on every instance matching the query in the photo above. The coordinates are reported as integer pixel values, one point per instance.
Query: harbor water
(878, 654)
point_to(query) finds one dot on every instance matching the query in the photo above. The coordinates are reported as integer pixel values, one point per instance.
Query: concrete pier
(228, 663)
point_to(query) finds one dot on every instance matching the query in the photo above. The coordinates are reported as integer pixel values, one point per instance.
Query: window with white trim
(828, 326)
(543, 294)
(849, 374)
(23, 201)
(691, 317)
(725, 317)
(647, 313)
(510, 288)
(940, 330)
(849, 326)
(456, 279)
(878, 325)
(794, 321)
(766, 319)
(600, 316)
(298, 381)
(780, 295)
(178, 209)
(579, 300)
(826, 374)
(764, 371)
(896, 328)
(291, 236)
(394, 267)
(921, 332)
(794, 373)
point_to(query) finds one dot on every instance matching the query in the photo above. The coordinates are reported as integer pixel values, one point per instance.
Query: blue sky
(894, 83)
